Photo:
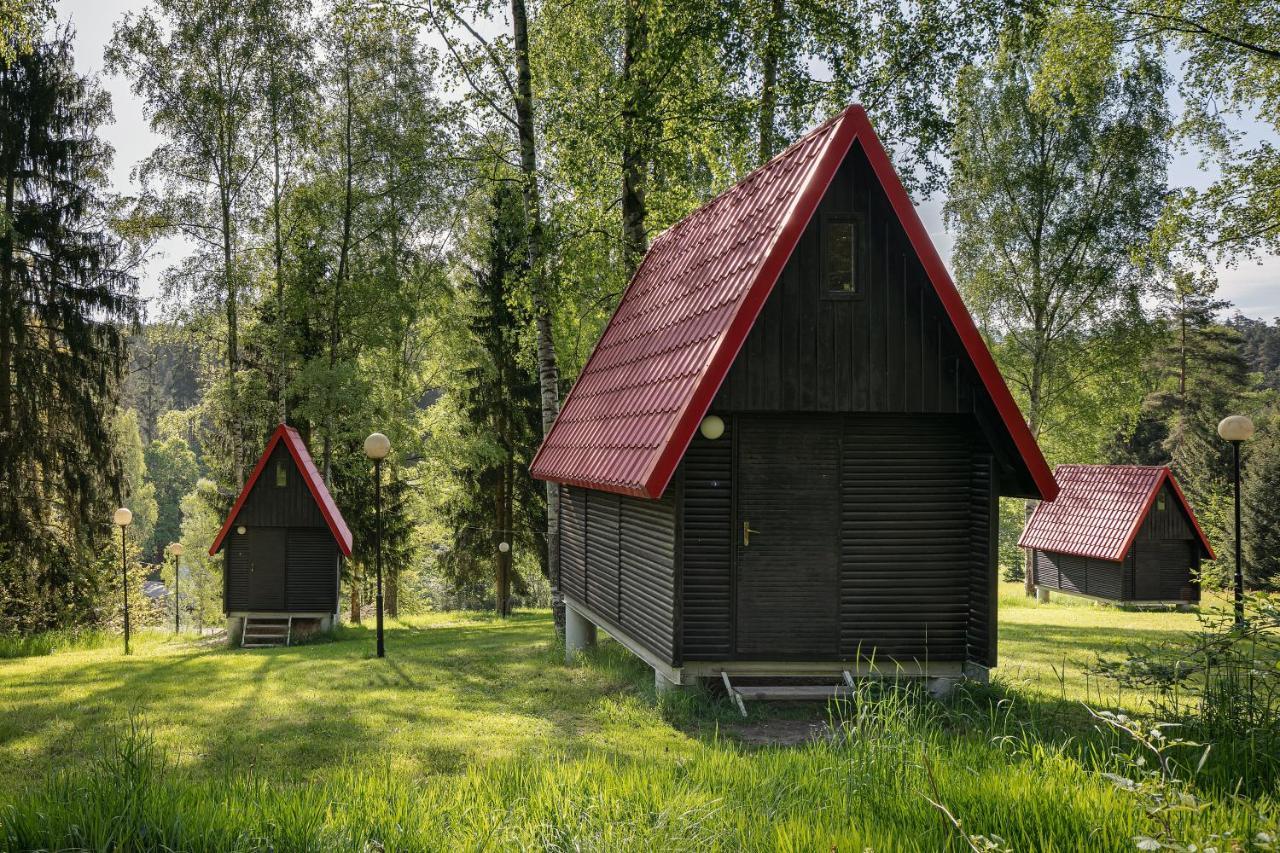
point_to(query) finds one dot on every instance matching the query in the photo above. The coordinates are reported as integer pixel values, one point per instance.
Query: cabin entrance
(787, 534)
(267, 553)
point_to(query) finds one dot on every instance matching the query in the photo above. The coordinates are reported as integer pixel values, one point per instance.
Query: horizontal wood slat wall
(906, 538)
(707, 512)
(617, 556)
(310, 549)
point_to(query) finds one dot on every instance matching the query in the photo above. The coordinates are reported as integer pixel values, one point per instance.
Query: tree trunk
(278, 258)
(634, 143)
(355, 598)
(233, 344)
(769, 75)
(8, 307)
(344, 256)
(548, 368)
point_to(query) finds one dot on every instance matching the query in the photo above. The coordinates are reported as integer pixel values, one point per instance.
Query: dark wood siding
(313, 570)
(906, 538)
(1163, 571)
(984, 594)
(917, 527)
(573, 542)
(1171, 522)
(290, 505)
(1083, 575)
(237, 569)
(646, 577)
(603, 555)
(617, 556)
(891, 348)
(788, 482)
(707, 512)
(267, 568)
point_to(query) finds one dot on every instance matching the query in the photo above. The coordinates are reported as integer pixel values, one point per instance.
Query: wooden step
(793, 692)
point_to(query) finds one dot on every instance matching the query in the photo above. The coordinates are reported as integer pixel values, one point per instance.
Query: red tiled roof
(688, 309)
(310, 475)
(1099, 510)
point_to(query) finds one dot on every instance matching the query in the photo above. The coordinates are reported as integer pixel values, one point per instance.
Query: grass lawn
(473, 734)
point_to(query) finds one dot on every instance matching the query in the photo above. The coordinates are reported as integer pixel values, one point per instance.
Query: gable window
(841, 272)
(1160, 503)
(282, 475)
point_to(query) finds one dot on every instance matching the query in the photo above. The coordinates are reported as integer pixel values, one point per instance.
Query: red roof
(1100, 509)
(301, 457)
(689, 307)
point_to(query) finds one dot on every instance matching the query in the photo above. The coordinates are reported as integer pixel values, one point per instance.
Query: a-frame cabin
(285, 540)
(1119, 533)
(784, 454)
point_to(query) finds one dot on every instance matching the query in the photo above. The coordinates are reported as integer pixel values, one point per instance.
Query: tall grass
(893, 760)
(52, 642)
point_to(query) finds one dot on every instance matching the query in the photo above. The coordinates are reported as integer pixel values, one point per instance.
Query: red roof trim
(850, 125)
(1166, 476)
(302, 458)
(961, 319)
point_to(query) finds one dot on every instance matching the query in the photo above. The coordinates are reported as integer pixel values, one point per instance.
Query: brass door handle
(746, 534)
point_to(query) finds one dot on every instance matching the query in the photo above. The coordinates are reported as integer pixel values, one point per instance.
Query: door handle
(746, 534)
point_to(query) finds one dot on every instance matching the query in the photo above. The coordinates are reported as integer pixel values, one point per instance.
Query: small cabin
(1117, 533)
(284, 541)
(783, 456)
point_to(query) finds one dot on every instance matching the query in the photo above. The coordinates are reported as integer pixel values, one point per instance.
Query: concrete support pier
(1042, 594)
(235, 629)
(579, 633)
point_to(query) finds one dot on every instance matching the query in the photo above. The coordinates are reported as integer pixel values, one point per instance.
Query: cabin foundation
(579, 633)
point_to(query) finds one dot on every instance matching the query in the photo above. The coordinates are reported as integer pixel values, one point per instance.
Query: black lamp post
(176, 550)
(1235, 429)
(123, 518)
(376, 447)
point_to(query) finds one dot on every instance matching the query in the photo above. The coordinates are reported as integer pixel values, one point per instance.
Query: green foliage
(20, 25)
(64, 296)
(172, 471)
(200, 591)
(133, 488)
(1059, 167)
(1260, 500)
(1220, 684)
(495, 407)
(1230, 52)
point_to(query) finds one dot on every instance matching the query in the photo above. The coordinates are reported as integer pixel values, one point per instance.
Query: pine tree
(1260, 499)
(496, 500)
(63, 299)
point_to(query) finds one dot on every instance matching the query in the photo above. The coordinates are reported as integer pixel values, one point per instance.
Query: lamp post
(1235, 429)
(176, 550)
(376, 447)
(123, 518)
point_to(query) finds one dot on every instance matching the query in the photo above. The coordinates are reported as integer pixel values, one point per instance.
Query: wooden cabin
(284, 541)
(784, 454)
(1118, 533)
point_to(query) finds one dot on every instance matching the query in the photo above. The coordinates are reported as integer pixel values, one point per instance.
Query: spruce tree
(497, 394)
(1260, 499)
(63, 298)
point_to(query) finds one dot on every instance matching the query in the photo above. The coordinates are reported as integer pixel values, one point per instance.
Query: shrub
(1221, 685)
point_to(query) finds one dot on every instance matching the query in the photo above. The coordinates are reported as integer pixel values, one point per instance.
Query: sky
(1252, 286)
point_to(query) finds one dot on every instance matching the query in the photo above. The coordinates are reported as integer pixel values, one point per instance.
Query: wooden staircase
(263, 632)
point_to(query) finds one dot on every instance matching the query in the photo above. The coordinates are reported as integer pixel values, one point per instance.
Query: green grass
(472, 734)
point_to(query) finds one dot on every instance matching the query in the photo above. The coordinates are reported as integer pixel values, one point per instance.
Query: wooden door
(788, 522)
(267, 574)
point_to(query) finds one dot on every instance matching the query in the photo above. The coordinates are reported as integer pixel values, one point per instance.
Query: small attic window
(282, 475)
(841, 268)
(1160, 503)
